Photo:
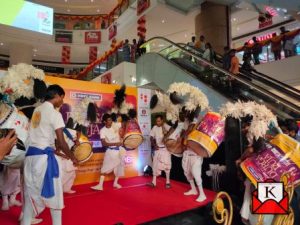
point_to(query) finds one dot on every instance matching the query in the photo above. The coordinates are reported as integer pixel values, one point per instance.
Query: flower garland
(19, 80)
(262, 116)
(79, 114)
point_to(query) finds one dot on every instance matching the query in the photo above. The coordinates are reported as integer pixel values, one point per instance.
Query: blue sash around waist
(52, 170)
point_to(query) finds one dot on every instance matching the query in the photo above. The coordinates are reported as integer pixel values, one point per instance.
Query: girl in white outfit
(162, 157)
(114, 155)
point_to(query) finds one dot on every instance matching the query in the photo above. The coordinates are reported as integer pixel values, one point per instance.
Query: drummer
(43, 187)
(192, 167)
(162, 157)
(114, 155)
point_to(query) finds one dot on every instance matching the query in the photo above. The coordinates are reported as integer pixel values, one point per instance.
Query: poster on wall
(102, 94)
(144, 118)
(112, 31)
(142, 6)
(106, 78)
(63, 36)
(92, 37)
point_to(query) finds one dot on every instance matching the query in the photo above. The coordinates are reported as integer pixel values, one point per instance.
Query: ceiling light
(298, 13)
(278, 9)
(185, 35)
(247, 8)
(35, 50)
(34, 55)
(66, 0)
(68, 10)
(1, 43)
(237, 28)
(284, 10)
(92, 0)
(163, 21)
(285, 17)
(98, 10)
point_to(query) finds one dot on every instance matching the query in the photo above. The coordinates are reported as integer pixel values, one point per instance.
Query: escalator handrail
(293, 92)
(258, 88)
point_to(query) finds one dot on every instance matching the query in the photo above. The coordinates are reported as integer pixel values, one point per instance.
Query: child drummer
(162, 157)
(114, 155)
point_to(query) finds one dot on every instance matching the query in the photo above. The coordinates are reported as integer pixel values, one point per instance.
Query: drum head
(198, 148)
(133, 141)
(83, 152)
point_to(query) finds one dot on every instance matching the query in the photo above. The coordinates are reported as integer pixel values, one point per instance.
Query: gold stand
(220, 213)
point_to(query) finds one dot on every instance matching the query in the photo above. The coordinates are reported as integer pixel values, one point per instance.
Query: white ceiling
(79, 7)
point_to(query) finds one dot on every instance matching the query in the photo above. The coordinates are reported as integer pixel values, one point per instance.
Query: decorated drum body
(133, 137)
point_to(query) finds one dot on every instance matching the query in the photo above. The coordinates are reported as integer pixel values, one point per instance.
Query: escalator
(167, 62)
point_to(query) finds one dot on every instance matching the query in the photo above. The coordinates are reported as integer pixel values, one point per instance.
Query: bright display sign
(27, 15)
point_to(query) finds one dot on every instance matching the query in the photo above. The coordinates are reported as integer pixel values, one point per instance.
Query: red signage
(266, 23)
(106, 78)
(112, 32)
(263, 37)
(92, 37)
(142, 6)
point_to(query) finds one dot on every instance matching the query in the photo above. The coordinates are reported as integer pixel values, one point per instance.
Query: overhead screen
(27, 15)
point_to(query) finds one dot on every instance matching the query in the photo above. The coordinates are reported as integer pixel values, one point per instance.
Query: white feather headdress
(79, 112)
(262, 116)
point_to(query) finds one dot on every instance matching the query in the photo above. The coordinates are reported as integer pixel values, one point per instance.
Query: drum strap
(68, 134)
(51, 172)
(114, 148)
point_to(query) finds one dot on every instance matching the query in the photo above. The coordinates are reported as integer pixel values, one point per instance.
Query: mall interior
(194, 104)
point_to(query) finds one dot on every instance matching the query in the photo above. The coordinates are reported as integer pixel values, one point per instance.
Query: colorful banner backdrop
(280, 156)
(103, 94)
(63, 36)
(93, 53)
(27, 15)
(65, 54)
(142, 6)
(92, 37)
(144, 118)
(112, 31)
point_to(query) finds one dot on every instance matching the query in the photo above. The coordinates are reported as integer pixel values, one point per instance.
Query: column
(20, 53)
(214, 23)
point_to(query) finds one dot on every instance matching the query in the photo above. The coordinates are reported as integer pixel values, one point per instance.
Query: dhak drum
(174, 142)
(280, 156)
(133, 137)
(207, 135)
(84, 150)
(11, 118)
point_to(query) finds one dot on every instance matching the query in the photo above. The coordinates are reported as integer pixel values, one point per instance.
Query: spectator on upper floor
(276, 47)
(226, 59)
(201, 44)
(192, 43)
(126, 51)
(234, 68)
(140, 50)
(209, 53)
(256, 50)
(133, 50)
(287, 43)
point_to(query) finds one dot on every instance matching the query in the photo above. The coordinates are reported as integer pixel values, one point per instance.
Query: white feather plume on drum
(11, 118)
(82, 152)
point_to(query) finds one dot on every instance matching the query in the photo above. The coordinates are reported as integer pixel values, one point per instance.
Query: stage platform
(135, 203)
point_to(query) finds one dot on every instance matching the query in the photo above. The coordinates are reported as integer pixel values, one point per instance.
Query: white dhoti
(245, 210)
(192, 165)
(11, 181)
(161, 161)
(34, 173)
(113, 162)
(68, 173)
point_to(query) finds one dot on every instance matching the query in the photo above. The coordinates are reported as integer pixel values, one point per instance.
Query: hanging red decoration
(141, 28)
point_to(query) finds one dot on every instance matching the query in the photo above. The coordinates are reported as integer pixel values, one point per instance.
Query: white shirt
(110, 135)
(157, 134)
(44, 122)
(177, 132)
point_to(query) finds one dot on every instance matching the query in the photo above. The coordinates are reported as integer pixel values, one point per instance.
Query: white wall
(286, 70)
(124, 73)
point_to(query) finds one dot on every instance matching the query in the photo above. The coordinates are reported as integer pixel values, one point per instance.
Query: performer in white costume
(114, 155)
(43, 187)
(162, 157)
(10, 188)
(192, 167)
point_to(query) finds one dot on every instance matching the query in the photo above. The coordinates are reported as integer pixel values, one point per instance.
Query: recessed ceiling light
(163, 21)
(66, 0)
(1, 43)
(35, 50)
(185, 35)
(237, 28)
(285, 17)
(92, 0)
(98, 10)
(34, 55)
(278, 9)
(68, 10)
(247, 8)
(284, 10)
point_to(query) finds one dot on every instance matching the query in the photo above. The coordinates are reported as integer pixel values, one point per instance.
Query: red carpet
(133, 204)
